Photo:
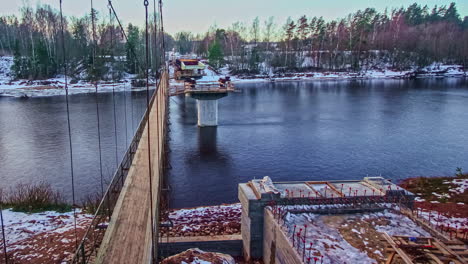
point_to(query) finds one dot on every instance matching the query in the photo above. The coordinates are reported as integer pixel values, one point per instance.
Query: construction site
(364, 221)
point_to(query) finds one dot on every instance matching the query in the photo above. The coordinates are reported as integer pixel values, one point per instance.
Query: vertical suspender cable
(162, 32)
(65, 68)
(153, 255)
(3, 232)
(113, 103)
(131, 109)
(96, 97)
(125, 98)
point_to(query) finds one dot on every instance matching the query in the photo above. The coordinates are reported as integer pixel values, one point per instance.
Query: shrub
(35, 198)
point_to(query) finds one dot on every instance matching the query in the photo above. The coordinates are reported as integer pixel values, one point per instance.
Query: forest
(401, 38)
(95, 45)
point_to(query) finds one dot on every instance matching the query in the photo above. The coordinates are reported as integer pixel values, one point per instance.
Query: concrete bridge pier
(207, 113)
(207, 106)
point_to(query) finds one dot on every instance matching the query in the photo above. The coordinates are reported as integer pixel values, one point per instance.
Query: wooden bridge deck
(128, 237)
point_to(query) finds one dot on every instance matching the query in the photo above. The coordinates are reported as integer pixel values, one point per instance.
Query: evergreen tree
(130, 48)
(215, 55)
(451, 14)
(21, 65)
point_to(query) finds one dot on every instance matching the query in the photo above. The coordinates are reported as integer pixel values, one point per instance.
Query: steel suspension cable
(113, 75)
(161, 22)
(153, 255)
(156, 90)
(65, 69)
(125, 35)
(3, 231)
(131, 109)
(114, 111)
(96, 98)
(155, 18)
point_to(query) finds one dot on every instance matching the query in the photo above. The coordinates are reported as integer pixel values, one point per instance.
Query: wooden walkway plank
(128, 237)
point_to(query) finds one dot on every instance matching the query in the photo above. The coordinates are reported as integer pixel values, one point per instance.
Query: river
(321, 130)
(317, 130)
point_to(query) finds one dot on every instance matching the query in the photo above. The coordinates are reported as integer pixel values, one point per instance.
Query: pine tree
(21, 65)
(215, 55)
(130, 48)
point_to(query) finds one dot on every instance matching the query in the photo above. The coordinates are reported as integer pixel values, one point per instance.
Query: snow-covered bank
(53, 86)
(433, 71)
(204, 221)
(47, 237)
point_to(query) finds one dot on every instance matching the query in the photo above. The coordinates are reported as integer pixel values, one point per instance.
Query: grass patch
(91, 203)
(34, 198)
(425, 187)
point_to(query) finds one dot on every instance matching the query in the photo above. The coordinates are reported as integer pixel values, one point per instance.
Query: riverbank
(442, 201)
(56, 86)
(46, 237)
(444, 197)
(433, 71)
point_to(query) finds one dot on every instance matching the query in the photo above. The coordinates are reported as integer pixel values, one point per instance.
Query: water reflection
(34, 139)
(318, 131)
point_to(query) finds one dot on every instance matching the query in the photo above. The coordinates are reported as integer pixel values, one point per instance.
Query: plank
(395, 247)
(128, 237)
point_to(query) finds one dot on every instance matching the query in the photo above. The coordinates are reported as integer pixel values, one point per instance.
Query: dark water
(318, 131)
(288, 131)
(34, 144)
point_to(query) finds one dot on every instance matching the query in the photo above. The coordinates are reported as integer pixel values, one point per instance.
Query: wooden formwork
(412, 250)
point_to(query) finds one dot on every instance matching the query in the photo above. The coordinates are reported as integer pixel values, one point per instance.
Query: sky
(198, 15)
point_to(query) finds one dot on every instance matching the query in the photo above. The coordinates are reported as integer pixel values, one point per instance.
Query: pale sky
(199, 15)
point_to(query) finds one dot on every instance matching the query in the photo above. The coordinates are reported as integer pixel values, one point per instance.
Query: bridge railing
(203, 86)
(89, 245)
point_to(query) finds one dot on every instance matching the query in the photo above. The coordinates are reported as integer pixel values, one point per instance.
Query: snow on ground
(52, 86)
(205, 221)
(5, 64)
(197, 256)
(430, 71)
(438, 219)
(31, 238)
(461, 185)
(353, 238)
(55, 86)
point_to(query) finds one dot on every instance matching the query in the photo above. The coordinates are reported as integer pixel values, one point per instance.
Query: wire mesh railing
(88, 248)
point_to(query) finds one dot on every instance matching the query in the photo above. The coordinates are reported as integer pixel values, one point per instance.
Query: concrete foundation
(207, 112)
(277, 248)
(262, 237)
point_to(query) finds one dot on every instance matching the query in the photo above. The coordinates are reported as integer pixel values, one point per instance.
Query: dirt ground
(369, 240)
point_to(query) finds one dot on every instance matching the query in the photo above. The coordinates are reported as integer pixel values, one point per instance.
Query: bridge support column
(207, 112)
(207, 106)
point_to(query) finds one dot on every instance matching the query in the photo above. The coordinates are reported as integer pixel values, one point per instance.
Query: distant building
(189, 68)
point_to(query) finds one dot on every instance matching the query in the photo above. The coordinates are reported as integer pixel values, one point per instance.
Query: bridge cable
(96, 96)
(153, 255)
(125, 35)
(161, 22)
(156, 89)
(65, 68)
(115, 116)
(3, 231)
